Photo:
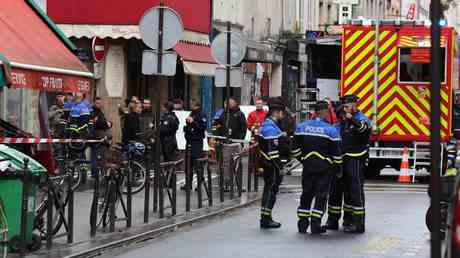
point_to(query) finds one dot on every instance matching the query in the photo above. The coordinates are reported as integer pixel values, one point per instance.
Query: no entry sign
(98, 49)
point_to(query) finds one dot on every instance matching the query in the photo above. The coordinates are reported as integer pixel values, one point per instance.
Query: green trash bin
(11, 190)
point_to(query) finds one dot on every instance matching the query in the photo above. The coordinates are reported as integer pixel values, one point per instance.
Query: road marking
(382, 245)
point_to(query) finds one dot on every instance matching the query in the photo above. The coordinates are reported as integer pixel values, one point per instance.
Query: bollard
(49, 217)
(161, 197)
(188, 174)
(199, 176)
(209, 184)
(232, 178)
(250, 168)
(112, 200)
(94, 205)
(155, 183)
(129, 197)
(149, 169)
(239, 181)
(256, 176)
(174, 191)
(220, 161)
(70, 208)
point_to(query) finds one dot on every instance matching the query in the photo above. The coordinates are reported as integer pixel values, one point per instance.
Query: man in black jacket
(132, 124)
(101, 130)
(195, 133)
(169, 124)
(237, 125)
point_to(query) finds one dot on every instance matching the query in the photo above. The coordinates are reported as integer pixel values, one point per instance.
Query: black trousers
(314, 186)
(354, 182)
(338, 197)
(196, 152)
(272, 181)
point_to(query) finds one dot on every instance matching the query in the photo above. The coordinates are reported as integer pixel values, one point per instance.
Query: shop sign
(314, 34)
(334, 30)
(49, 81)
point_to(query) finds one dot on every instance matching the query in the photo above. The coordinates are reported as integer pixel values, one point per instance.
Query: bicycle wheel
(138, 178)
(41, 217)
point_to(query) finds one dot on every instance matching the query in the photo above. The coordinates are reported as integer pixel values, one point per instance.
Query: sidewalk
(83, 199)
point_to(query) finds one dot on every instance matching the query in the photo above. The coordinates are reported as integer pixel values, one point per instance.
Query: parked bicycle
(114, 181)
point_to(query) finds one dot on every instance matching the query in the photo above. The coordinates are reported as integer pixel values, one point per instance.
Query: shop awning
(197, 59)
(120, 31)
(39, 54)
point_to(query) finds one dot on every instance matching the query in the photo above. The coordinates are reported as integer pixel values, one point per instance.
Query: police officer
(338, 195)
(169, 124)
(194, 130)
(269, 137)
(316, 145)
(355, 132)
(80, 115)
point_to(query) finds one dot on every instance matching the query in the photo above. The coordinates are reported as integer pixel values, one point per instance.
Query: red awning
(196, 58)
(39, 58)
(194, 52)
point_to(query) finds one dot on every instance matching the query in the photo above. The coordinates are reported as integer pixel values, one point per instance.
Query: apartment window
(268, 27)
(252, 26)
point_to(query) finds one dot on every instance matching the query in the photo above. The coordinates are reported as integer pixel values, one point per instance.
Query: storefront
(294, 70)
(121, 71)
(41, 60)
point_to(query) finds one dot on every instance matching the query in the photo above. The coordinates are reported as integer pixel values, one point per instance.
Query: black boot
(302, 225)
(267, 223)
(316, 227)
(354, 229)
(346, 223)
(332, 224)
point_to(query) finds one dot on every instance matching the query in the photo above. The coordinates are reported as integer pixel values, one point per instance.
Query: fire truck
(399, 103)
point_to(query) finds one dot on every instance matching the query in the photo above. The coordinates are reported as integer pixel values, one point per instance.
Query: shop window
(415, 65)
(20, 108)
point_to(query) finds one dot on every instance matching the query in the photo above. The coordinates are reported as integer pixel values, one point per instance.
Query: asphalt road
(395, 228)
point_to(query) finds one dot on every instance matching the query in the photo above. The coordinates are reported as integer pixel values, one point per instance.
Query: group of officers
(334, 158)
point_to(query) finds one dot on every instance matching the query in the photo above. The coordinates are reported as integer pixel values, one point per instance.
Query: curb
(155, 232)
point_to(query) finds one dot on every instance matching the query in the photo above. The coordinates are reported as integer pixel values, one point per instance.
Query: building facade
(120, 73)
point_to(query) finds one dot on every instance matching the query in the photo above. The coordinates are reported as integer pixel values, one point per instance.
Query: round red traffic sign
(98, 49)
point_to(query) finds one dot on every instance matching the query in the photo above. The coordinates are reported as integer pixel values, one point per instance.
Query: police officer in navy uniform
(169, 124)
(269, 138)
(355, 132)
(338, 196)
(317, 146)
(195, 130)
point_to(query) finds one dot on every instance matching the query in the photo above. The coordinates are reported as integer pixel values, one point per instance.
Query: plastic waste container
(11, 190)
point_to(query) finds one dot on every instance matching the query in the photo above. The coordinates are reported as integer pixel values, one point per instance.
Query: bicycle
(128, 163)
(59, 202)
(115, 183)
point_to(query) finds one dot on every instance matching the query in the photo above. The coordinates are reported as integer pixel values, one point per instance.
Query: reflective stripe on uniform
(318, 155)
(303, 213)
(355, 154)
(265, 155)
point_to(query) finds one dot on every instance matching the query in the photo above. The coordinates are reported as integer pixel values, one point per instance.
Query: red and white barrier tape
(7, 140)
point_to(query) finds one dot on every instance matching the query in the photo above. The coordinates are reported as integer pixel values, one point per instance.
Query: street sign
(173, 29)
(98, 49)
(236, 77)
(237, 48)
(334, 30)
(150, 63)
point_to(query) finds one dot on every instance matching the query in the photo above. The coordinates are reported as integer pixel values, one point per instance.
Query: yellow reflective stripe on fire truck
(358, 45)
(353, 37)
(360, 57)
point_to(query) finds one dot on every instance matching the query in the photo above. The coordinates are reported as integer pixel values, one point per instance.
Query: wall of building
(195, 14)
(261, 19)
